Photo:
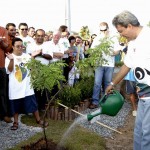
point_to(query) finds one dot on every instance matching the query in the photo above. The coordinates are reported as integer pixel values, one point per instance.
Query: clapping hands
(36, 53)
(9, 56)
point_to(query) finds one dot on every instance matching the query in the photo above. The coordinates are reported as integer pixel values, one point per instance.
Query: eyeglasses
(19, 46)
(24, 29)
(104, 30)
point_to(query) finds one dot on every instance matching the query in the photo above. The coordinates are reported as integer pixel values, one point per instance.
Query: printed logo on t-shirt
(65, 44)
(20, 72)
(142, 76)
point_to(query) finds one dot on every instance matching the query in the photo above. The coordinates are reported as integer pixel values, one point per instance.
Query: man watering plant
(137, 58)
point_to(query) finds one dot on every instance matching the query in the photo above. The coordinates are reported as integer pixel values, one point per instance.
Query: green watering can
(109, 104)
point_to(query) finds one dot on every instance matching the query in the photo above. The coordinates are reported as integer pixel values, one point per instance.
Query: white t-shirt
(72, 72)
(26, 40)
(138, 56)
(65, 45)
(19, 81)
(32, 47)
(115, 47)
(57, 48)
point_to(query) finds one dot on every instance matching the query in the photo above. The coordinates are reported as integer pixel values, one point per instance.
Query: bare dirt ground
(122, 141)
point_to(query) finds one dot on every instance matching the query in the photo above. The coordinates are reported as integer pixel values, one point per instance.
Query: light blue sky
(50, 14)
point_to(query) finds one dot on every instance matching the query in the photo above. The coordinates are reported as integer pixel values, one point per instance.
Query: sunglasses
(104, 30)
(24, 29)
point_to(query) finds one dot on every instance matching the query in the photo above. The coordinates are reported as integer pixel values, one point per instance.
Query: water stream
(70, 129)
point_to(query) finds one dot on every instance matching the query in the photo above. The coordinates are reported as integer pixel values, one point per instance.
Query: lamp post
(67, 15)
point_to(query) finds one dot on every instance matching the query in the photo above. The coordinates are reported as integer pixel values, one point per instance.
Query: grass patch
(79, 139)
(82, 139)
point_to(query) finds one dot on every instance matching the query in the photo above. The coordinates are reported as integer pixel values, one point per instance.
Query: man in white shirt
(41, 51)
(138, 59)
(23, 34)
(58, 52)
(57, 49)
(64, 41)
(104, 72)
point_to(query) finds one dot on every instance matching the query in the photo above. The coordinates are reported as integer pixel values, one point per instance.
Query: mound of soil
(41, 145)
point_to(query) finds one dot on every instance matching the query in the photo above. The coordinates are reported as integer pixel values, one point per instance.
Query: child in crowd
(131, 90)
(73, 74)
(131, 87)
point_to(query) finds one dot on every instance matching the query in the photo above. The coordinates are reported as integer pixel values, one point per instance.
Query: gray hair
(125, 18)
(57, 32)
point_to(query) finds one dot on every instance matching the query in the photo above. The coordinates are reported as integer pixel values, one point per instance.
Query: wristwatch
(111, 83)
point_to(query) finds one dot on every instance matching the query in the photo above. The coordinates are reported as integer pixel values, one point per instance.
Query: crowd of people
(17, 46)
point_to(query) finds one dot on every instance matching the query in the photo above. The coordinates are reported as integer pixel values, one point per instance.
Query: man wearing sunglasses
(23, 34)
(104, 73)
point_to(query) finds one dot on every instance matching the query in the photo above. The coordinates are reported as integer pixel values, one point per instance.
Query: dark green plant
(95, 56)
(70, 96)
(86, 86)
(45, 76)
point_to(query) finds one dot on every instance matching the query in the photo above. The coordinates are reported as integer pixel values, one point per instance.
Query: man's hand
(36, 53)
(11, 63)
(9, 56)
(109, 89)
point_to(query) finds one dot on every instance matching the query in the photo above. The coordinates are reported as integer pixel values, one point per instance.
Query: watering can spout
(93, 114)
(90, 117)
(109, 105)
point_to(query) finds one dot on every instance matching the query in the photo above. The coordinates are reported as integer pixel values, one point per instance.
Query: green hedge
(71, 96)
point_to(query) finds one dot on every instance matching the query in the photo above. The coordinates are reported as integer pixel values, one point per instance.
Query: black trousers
(3, 96)
(41, 98)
